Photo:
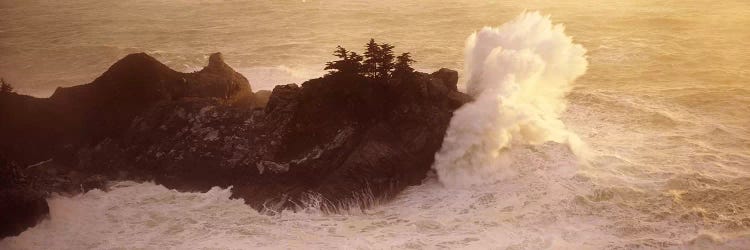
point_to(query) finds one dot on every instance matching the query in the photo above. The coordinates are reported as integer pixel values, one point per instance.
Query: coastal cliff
(337, 141)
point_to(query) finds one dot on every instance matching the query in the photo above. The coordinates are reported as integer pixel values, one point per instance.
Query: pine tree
(377, 62)
(385, 61)
(349, 63)
(5, 87)
(341, 52)
(370, 65)
(336, 66)
(354, 64)
(355, 61)
(403, 69)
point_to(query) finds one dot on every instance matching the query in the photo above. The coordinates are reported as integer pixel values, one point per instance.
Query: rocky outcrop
(22, 206)
(336, 140)
(34, 129)
(61, 127)
(448, 76)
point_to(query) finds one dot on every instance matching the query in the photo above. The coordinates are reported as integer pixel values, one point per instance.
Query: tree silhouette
(377, 63)
(349, 63)
(5, 87)
(370, 65)
(403, 69)
(385, 61)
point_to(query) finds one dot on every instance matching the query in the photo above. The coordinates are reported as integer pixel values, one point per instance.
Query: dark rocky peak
(138, 66)
(449, 78)
(218, 79)
(135, 75)
(216, 63)
(139, 75)
(89, 113)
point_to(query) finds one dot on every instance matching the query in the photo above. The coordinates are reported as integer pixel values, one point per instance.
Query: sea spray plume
(518, 74)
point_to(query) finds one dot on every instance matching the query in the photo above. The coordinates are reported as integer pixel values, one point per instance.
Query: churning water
(629, 127)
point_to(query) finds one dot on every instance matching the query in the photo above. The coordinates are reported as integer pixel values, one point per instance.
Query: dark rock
(21, 204)
(284, 98)
(262, 97)
(33, 129)
(22, 208)
(217, 80)
(342, 140)
(449, 78)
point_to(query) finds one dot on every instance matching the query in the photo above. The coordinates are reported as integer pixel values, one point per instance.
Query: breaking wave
(519, 74)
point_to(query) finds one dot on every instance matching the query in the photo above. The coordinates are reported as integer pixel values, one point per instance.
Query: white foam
(528, 211)
(519, 74)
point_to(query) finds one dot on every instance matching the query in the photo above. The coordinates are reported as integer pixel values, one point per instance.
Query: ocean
(602, 125)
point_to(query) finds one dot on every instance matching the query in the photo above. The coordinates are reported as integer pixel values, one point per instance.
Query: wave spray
(518, 74)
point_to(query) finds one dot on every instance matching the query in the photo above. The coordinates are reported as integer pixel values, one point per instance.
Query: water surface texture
(662, 113)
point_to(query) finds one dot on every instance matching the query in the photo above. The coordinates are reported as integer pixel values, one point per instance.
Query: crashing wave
(519, 74)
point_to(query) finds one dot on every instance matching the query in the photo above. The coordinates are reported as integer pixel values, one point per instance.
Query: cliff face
(337, 139)
(34, 129)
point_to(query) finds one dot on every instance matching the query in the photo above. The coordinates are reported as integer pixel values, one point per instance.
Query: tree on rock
(403, 69)
(385, 61)
(377, 63)
(370, 65)
(5, 87)
(349, 63)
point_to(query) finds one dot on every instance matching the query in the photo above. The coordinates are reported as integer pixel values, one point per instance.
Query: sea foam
(519, 74)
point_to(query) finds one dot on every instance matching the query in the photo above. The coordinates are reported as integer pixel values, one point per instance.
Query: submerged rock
(338, 139)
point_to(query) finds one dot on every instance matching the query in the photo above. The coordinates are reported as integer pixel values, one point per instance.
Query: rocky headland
(339, 140)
